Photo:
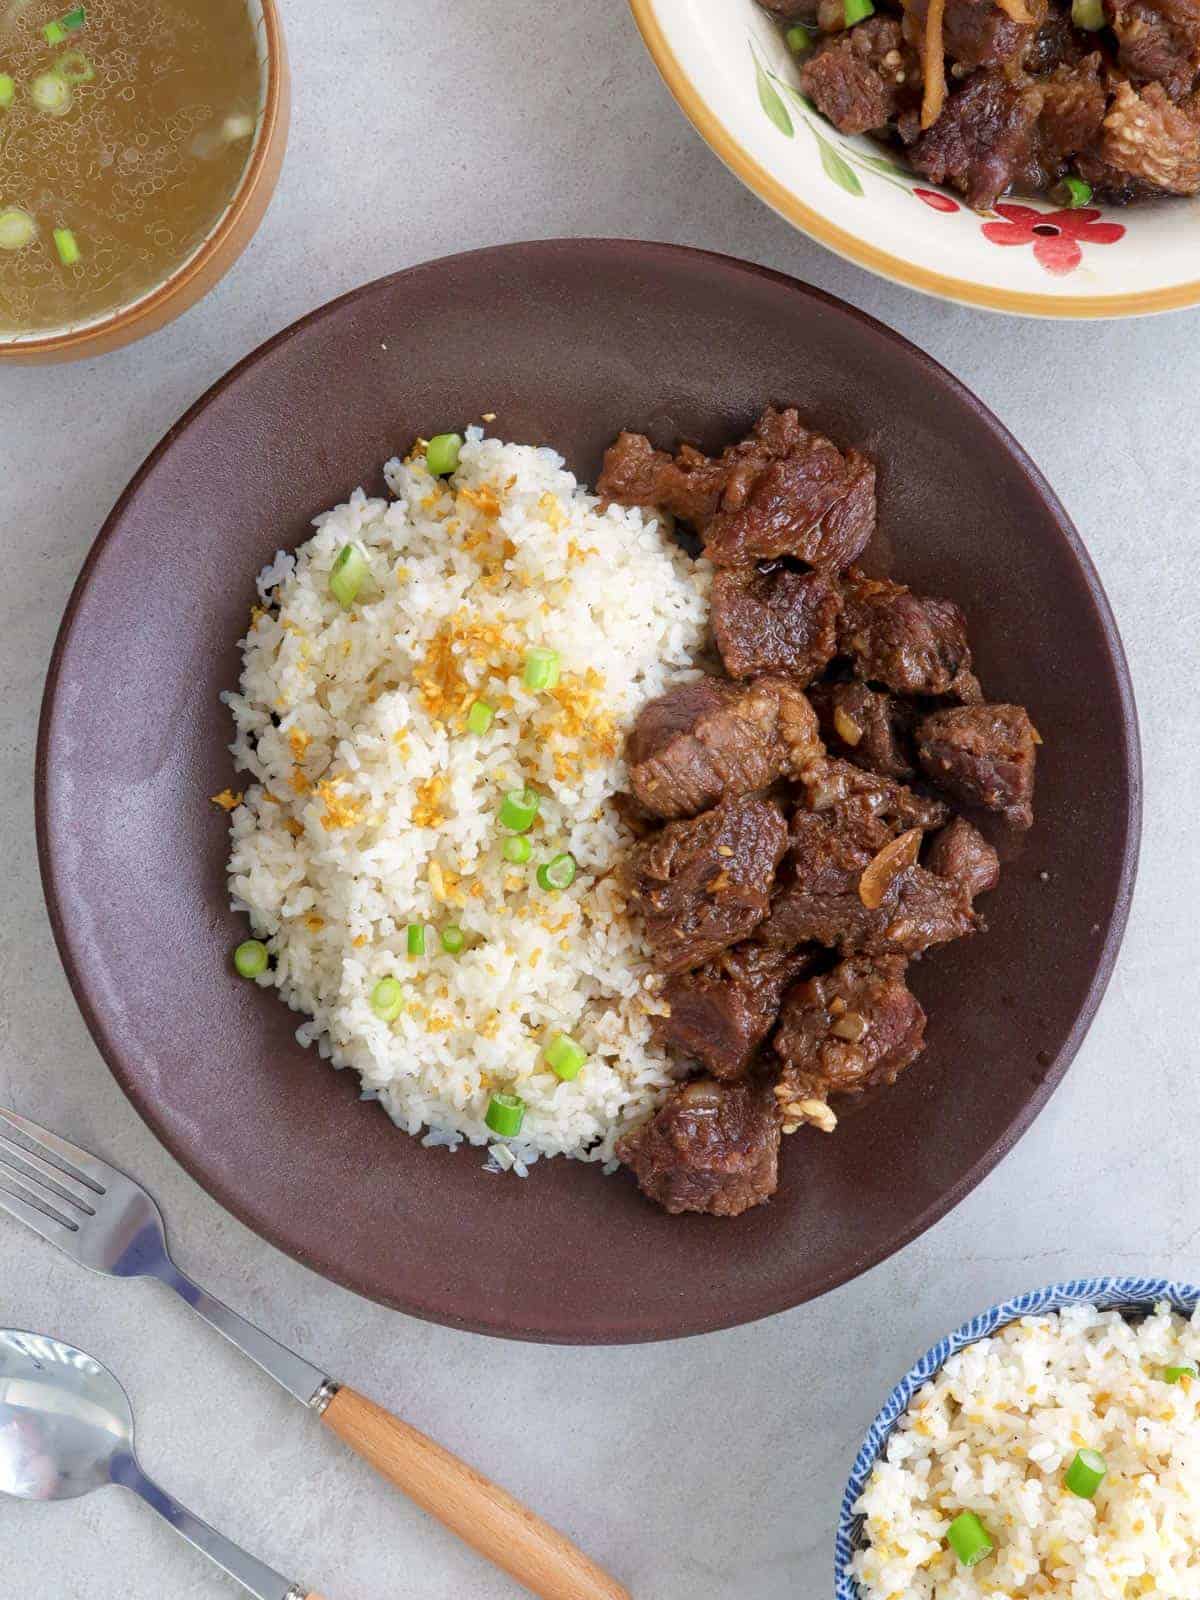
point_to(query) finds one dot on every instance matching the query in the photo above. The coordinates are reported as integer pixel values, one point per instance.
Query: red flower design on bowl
(1057, 237)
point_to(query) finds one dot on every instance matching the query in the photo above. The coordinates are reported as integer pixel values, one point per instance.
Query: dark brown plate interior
(567, 342)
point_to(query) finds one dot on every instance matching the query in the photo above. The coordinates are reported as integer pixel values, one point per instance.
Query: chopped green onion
(8, 89)
(1088, 15)
(75, 67)
(505, 1114)
(1086, 1473)
(566, 1058)
(347, 574)
(17, 229)
(1173, 1374)
(52, 94)
(855, 10)
(453, 940)
(480, 716)
(541, 668)
(798, 38)
(969, 1539)
(251, 958)
(441, 453)
(516, 849)
(64, 243)
(558, 872)
(387, 999)
(416, 939)
(1072, 192)
(518, 809)
(55, 33)
(74, 19)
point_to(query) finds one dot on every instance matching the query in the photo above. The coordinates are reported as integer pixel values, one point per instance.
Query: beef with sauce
(798, 850)
(982, 755)
(910, 644)
(708, 740)
(775, 620)
(710, 1147)
(961, 853)
(1018, 98)
(721, 1013)
(868, 727)
(849, 1030)
(705, 883)
(782, 491)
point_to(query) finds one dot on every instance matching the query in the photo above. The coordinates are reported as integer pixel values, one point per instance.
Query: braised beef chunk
(838, 886)
(711, 1147)
(851, 1029)
(688, 484)
(975, 33)
(709, 740)
(1053, 44)
(814, 504)
(1149, 142)
(1073, 110)
(908, 643)
(985, 141)
(706, 883)
(861, 78)
(1158, 40)
(920, 910)
(867, 727)
(777, 620)
(721, 1013)
(982, 755)
(960, 852)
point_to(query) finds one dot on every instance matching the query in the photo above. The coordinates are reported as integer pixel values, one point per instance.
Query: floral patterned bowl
(726, 63)
(1107, 1294)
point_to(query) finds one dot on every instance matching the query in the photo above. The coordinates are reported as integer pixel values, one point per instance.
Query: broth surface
(153, 106)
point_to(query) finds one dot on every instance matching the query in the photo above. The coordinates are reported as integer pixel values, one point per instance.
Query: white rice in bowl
(372, 808)
(995, 1432)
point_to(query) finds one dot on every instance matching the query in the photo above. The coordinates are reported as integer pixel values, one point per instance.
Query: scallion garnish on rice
(1174, 1374)
(346, 576)
(415, 939)
(518, 809)
(541, 668)
(480, 717)
(565, 1057)
(1086, 1473)
(441, 453)
(387, 999)
(505, 1114)
(251, 958)
(969, 1539)
(557, 873)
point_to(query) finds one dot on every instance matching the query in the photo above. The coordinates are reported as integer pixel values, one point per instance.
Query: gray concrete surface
(708, 1470)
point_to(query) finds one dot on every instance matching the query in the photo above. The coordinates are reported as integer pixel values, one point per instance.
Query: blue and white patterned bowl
(1107, 1294)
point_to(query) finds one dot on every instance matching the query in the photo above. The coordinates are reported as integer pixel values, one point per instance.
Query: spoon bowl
(66, 1425)
(66, 1428)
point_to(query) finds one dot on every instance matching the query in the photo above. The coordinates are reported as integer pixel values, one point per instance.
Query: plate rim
(896, 269)
(783, 1298)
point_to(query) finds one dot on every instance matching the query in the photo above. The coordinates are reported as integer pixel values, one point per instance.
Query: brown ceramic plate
(567, 341)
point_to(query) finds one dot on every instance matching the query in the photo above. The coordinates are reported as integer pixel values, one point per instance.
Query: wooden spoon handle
(478, 1511)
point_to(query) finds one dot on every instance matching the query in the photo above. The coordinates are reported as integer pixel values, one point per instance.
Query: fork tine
(41, 1219)
(38, 1174)
(85, 1168)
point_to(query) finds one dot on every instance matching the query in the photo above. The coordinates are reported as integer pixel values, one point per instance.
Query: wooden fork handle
(478, 1511)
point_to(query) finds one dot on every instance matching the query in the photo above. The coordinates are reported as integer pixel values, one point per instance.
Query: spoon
(66, 1428)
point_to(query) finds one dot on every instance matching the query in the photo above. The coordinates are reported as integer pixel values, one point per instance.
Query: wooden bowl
(230, 235)
(566, 341)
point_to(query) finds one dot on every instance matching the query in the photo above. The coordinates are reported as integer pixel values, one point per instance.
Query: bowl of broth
(140, 144)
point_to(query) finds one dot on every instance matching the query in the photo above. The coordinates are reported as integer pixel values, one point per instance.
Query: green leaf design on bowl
(771, 100)
(837, 167)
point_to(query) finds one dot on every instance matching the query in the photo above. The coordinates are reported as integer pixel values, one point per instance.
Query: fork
(106, 1221)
